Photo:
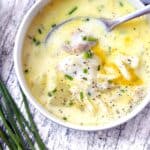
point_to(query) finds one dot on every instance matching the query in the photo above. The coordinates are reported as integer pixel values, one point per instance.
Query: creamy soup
(83, 74)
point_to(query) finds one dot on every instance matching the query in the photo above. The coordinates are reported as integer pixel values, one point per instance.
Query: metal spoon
(109, 24)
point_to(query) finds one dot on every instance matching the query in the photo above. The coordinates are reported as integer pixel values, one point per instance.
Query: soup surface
(83, 74)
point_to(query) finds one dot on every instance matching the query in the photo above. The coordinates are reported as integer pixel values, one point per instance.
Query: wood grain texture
(133, 135)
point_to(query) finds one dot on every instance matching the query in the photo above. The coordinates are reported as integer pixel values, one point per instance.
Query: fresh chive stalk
(9, 112)
(1, 147)
(15, 124)
(33, 126)
(8, 141)
(10, 132)
(10, 109)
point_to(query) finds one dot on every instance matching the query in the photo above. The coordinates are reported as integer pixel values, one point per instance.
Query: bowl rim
(19, 72)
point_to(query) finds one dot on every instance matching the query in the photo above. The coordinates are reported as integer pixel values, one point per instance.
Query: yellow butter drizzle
(120, 80)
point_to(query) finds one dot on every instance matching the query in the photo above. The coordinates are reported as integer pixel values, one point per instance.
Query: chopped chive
(72, 10)
(98, 68)
(53, 25)
(49, 94)
(89, 94)
(54, 91)
(81, 95)
(65, 118)
(84, 38)
(121, 4)
(85, 71)
(67, 42)
(39, 31)
(109, 81)
(99, 8)
(35, 41)
(122, 90)
(69, 77)
(88, 54)
(89, 39)
(109, 48)
(84, 78)
(87, 19)
(26, 71)
(70, 103)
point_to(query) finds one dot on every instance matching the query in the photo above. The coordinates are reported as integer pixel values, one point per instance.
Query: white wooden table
(133, 135)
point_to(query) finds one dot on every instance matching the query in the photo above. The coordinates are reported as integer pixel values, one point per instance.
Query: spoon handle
(138, 13)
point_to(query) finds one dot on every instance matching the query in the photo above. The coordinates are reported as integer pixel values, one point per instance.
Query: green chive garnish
(98, 68)
(67, 42)
(35, 41)
(70, 103)
(72, 10)
(121, 4)
(54, 91)
(122, 90)
(39, 31)
(89, 39)
(65, 118)
(89, 94)
(109, 81)
(109, 49)
(84, 78)
(99, 8)
(26, 71)
(69, 77)
(49, 94)
(81, 95)
(87, 19)
(85, 71)
(88, 54)
(53, 25)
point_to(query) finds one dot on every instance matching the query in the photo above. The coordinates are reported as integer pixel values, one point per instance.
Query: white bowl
(19, 71)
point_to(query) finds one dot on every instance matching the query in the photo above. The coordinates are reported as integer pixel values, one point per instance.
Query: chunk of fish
(77, 44)
(123, 60)
(75, 65)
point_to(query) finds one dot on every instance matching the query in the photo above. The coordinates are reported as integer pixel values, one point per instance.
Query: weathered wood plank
(134, 134)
